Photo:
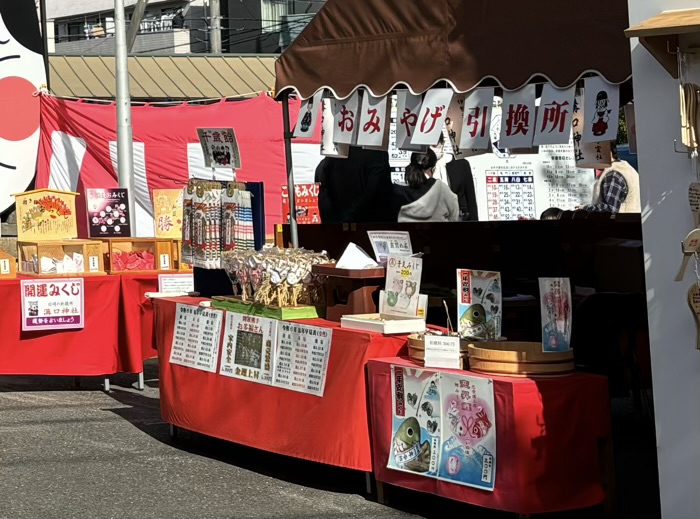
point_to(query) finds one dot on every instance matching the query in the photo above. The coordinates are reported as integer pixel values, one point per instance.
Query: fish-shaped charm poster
(479, 304)
(249, 348)
(468, 446)
(415, 436)
(555, 305)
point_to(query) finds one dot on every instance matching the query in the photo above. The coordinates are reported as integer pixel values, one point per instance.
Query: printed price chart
(510, 195)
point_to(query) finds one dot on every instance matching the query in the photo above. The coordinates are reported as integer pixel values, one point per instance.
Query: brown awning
(164, 77)
(418, 43)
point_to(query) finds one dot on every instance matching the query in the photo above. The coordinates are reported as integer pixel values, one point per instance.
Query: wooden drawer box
(138, 255)
(177, 254)
(60, 257)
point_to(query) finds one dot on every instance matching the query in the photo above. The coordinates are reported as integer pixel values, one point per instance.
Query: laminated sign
(518, 119)
(601, 108)
(374, 119)
(346, 119)
(308, 116)
(476, 124)
(432, 115)
(407, 109)
(554, 116)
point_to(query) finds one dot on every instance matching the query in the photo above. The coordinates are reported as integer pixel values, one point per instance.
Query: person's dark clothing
(357, 189)
(459, 174)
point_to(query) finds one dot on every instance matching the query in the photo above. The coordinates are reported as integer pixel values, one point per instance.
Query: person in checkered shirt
(617, 189)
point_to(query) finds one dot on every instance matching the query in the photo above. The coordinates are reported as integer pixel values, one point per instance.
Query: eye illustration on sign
(22, 74)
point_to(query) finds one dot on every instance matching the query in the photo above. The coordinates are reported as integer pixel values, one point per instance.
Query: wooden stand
(30, 253)
(350, 292)
(8, 266)
(162, 250)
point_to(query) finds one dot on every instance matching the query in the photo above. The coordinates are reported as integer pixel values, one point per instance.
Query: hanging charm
(694, 200)
(690, 247)
(694, 303)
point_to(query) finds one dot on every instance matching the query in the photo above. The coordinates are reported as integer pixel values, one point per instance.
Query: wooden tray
(291, 313)
(330, 270)
(519, 359)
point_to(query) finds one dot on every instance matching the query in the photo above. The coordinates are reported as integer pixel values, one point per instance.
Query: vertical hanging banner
(518, 122)
(554, 116)
(346, 119)
(407, 109)
(308, 116)
(431, 116)
(374, 122)
(601, 106)
(593, 155)
(476, 125)
(328, 147)
(453, 123)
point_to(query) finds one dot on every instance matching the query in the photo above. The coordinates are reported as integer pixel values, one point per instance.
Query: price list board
(563, 185)
(301, 359)
(196, 337)
(510, 194)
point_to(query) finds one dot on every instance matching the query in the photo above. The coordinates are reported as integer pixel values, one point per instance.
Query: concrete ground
(68, 452)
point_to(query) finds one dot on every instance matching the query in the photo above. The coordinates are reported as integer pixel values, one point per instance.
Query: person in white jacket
(425, 199)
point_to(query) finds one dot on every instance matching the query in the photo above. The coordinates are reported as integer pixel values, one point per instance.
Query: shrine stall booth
(272, 338)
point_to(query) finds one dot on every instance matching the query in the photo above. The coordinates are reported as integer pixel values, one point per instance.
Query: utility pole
(125, 145)
(45, 38)
(215, 26)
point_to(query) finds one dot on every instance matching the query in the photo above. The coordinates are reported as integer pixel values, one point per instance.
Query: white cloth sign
(373, 126)
(407, 109)
(453, 123)
(601, 107)
(518, 120)
(220, 148)
(554, 116)
(595, 155)
(476, 124)
(328, 147)
(432, 115)
(346, 117)
(308, 116)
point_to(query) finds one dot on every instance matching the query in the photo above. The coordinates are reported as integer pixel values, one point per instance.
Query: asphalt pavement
(70, 452)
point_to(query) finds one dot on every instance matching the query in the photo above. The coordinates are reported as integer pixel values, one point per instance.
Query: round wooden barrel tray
(523, 359)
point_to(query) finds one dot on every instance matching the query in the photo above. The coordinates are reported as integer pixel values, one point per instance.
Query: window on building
(272, 12)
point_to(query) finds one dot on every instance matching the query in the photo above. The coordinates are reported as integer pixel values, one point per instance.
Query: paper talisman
(690, 247)
(694, 304)
(694, 200)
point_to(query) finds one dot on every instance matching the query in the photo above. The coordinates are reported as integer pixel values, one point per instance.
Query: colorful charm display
(276, 277)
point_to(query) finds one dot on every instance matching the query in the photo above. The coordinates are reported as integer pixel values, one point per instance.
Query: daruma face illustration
(22, 73)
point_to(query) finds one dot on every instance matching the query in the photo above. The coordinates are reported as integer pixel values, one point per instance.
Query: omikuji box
(46, 215)
(60, 257)
(138, 255)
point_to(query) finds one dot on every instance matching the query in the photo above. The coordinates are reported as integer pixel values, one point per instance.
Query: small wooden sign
(690, 246)
(694, 200)
(694, 304)
(8, 266)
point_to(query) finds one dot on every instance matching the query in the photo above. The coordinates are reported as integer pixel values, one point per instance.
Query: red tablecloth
(91, 351)
(136, 320)
(547, 442)
(333, 430)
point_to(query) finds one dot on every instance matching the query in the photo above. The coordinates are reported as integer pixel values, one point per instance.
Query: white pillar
(665, 176)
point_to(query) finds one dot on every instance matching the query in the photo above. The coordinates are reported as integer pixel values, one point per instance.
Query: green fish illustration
(473, 321)
(408, 449)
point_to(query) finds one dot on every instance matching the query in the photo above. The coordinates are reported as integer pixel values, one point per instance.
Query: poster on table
(431, 117)
(346, 119)
(175, 283)
(108, 213)
(402, 289)
(196, 337)
(416, 421)
(52, 304)
(248, 348)
(554, 115)
(168, 213)
(443, 426)
(220, 148)
(556, 310)
(476, 124)
(518, 119)
(306, 198)
(308, 116)
(468, 435)
(601, 108)
(390, 242)
(373, 128)
(479, 304)
(301, 358)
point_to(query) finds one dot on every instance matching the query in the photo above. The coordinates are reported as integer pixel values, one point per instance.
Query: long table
(333, 430)
(552, 442)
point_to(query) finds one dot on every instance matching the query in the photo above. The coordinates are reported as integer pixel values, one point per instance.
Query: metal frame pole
(294, 231)
(125, 145)
(215, 27)
(45, 38)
